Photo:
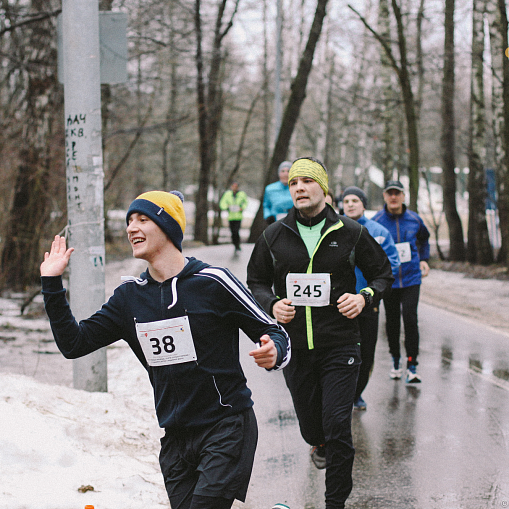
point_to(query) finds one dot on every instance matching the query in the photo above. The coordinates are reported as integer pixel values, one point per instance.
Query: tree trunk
(403, 73)
(420, 61)
(478, 247)
(384, 27)
(498, 44)
(503, 198)
(291, 113)
(201, 201)
(448, 141)
(168, 152)
(266, 91)
(29, 212)
(209, 111)
(409, 103)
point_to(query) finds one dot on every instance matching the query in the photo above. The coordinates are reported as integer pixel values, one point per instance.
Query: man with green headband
(302, 272)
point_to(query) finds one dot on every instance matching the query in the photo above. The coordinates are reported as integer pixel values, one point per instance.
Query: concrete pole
(278, 106)
(84, 174)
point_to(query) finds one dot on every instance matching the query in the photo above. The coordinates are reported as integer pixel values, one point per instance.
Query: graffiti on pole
(75, 131)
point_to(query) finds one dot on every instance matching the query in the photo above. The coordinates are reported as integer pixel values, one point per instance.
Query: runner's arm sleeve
(374, 264)
(72, 338)
(248, 315)
(389, 247)
(243, 202)
(267, 205)
(423, 242)
(260, 275)
(224, 202)
(256, 323)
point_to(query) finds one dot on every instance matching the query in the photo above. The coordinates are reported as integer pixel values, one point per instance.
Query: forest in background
(406, 86)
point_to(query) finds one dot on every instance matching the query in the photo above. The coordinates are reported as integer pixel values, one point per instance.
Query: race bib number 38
(166, 341)
(308, 289)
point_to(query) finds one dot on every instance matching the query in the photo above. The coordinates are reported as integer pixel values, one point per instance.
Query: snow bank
(54, 440)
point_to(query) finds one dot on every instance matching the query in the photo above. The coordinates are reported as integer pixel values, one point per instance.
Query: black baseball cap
(394, 184)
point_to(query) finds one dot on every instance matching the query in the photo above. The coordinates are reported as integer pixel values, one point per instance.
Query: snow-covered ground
(55, 440)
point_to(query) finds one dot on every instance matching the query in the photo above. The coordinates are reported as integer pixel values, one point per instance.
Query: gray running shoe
(318, 456)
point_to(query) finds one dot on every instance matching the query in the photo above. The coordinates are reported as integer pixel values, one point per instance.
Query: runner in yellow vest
(235, 202)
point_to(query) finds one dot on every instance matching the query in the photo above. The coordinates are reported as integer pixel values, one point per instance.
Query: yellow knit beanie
(166, 210)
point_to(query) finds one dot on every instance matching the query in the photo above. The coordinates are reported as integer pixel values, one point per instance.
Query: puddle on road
(284, 418)
(501, 373)
(478, 365)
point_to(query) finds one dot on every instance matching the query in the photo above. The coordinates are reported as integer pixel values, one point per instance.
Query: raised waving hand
(57, 259)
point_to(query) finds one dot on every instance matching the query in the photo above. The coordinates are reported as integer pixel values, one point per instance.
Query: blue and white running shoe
(411, 375)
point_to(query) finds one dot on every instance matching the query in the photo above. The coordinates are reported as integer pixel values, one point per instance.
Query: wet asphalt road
(441, 445)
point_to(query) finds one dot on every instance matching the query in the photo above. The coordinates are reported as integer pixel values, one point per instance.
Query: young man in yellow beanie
(302, 273)
(181, 318)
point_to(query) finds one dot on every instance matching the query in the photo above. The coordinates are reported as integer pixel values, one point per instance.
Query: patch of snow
(55, 439)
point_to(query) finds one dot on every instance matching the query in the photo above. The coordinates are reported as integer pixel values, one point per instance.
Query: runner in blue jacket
(181, 318)
(355, 203)
(412, 241)
(277, 200)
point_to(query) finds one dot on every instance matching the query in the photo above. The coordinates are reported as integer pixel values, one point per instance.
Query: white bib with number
(404, 251)
(166, 341)
(234, 208)
(308, 289)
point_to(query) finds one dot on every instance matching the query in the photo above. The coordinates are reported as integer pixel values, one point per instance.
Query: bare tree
(420, 60)
(403, 72)
(37, 99)
(479, 248)
(504, 184)
(497, 18)
(384, 27)
(266, 90)
(448, 141)
(209, 107)
(292, 111)
(168, 152)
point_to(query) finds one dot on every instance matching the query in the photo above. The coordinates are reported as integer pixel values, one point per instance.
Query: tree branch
(133, 143)
(35, 19)
(230, 23)
(380, 39)
(238, 158)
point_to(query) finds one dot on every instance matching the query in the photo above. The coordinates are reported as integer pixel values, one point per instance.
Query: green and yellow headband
(311, 169)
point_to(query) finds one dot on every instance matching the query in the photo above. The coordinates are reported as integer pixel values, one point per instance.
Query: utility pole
(84, 174)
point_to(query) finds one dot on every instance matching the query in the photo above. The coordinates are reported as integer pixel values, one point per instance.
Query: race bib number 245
(308, 289)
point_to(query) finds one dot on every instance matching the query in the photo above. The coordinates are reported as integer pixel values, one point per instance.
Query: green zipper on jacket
(309, 321)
